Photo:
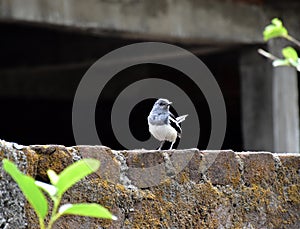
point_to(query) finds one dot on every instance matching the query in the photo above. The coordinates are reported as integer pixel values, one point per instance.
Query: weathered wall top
(200, 21)
(217, 189)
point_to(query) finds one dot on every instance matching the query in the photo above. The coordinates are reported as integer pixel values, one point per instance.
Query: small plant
(277, 30)
(59, 184)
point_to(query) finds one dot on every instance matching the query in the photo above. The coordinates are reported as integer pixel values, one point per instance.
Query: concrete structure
(269, 97)
(218, 20)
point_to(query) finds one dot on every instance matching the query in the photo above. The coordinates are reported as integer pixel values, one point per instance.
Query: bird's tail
(181, 118)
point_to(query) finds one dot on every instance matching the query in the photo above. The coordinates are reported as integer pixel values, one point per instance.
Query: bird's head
(162, 104)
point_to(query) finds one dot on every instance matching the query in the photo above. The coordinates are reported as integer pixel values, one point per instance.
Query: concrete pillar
(286, 106)
(270, 113)
(256, 99)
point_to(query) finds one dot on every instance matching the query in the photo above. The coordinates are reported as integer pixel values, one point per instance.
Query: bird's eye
(161, 104)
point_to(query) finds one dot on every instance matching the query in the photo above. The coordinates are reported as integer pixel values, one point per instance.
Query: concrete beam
(197, 21)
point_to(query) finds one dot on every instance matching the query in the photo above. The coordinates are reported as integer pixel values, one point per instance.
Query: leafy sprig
(32, 190)
(290, 56)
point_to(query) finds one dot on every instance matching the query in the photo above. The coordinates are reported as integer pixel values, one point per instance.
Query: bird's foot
(161, 145)
(171, 145)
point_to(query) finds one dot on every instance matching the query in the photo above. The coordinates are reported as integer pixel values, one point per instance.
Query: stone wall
(217, 189)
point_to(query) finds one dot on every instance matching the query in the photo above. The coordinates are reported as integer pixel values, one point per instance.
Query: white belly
(163, 132)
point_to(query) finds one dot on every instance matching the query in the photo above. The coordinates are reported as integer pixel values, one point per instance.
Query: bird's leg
(172, 145)
(161, 145)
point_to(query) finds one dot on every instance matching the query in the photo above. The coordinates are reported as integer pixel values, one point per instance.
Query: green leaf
(91, 210)
(26, 183)
(52, 176)
(290, 53)
(277, 22)
(75, 173)
(50, 189)
(276, 29)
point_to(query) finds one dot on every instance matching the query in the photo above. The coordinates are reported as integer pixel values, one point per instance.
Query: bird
(163, 125)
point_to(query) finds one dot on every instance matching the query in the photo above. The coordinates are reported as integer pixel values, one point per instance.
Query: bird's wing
(181, 118)
(171, 115)
(173, 122)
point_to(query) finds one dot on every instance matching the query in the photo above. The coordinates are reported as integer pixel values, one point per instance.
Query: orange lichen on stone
(294, 193)
(220, 189)
(52, 157)
(225, 169)
(32, 160)
(224, 199)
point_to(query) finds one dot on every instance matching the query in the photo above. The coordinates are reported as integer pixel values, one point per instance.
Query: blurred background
(48, 45)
